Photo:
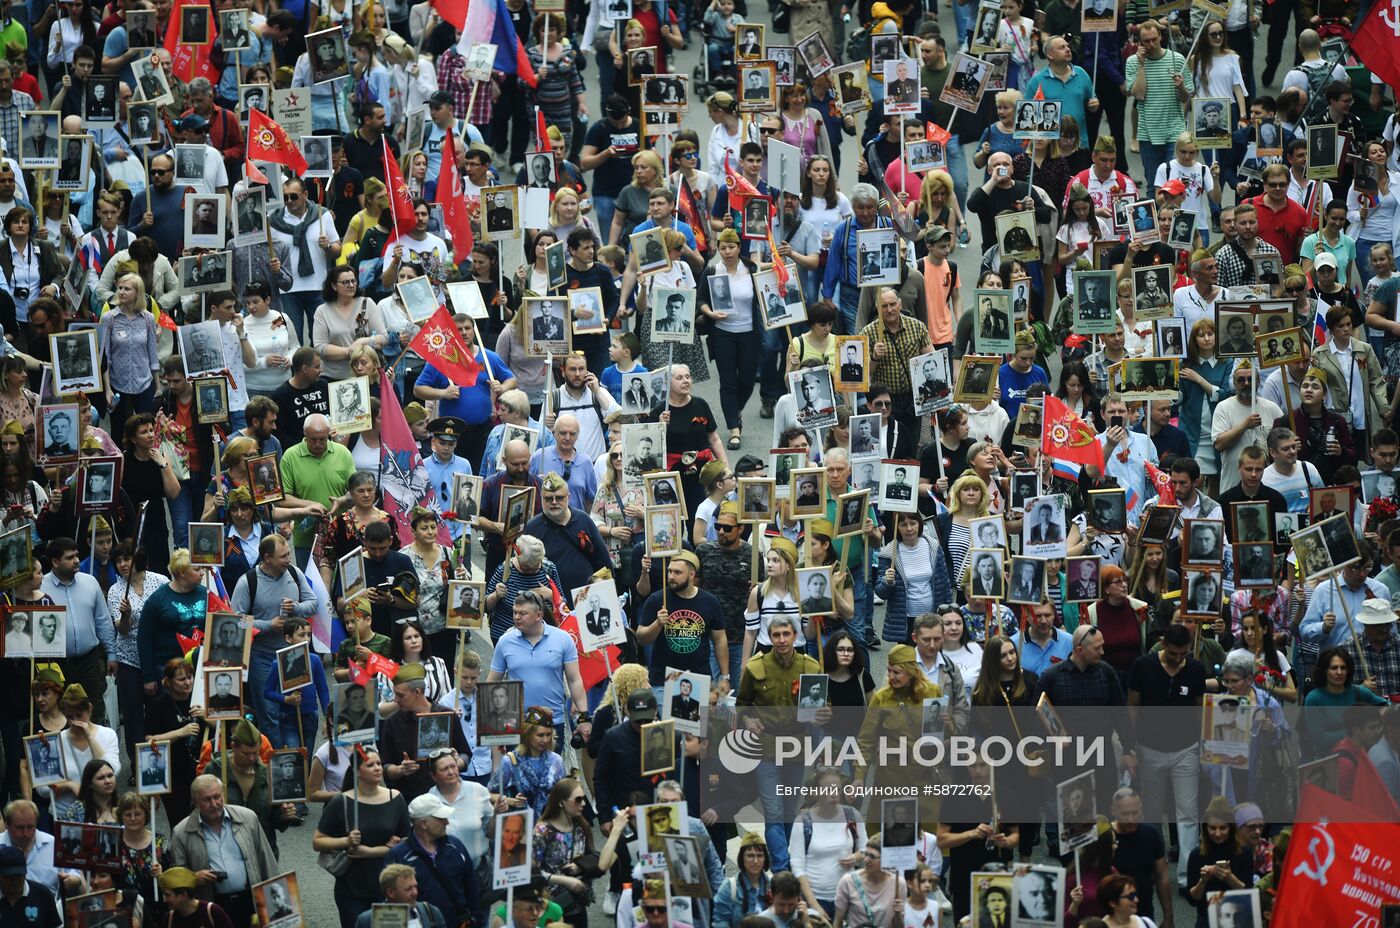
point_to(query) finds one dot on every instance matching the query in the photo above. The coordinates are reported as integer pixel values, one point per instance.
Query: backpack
(851, 821)
(252, 576)
(858, 45)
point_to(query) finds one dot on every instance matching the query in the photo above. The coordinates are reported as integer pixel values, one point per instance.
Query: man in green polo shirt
(315, 470)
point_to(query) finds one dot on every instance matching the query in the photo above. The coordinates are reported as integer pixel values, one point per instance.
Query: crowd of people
(261, 538)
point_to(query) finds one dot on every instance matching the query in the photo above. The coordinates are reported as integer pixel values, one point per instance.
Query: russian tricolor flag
(488, 22)
(1066, 470)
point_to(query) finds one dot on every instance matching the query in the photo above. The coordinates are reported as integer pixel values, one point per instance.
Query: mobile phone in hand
(1116, 422)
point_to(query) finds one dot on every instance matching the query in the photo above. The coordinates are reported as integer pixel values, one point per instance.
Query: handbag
(336, 863)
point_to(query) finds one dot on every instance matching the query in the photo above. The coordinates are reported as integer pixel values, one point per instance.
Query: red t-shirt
(28, 83)
(1284, 229)
(651, 24)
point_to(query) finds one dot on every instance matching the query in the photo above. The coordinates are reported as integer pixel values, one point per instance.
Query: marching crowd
(288, 307)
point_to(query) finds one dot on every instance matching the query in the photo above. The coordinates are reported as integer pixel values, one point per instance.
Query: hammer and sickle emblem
(1317, 868)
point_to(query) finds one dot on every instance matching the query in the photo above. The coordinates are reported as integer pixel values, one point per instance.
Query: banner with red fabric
(188, 61)
(1069, 437)
(454, 207)
(440, 344)
(1376, 42)
(1339, 870)
(268, 142)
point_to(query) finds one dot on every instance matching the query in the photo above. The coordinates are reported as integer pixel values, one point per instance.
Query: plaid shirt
(20, 102)
(1096, 685)
(1383, 664)
(453, 79)
(909, 342)
(1234, 269)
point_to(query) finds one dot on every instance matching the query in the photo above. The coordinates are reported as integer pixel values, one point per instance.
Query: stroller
(725, 76)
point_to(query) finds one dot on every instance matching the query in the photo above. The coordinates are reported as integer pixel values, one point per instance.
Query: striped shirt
(1160, 115)
(502, 619)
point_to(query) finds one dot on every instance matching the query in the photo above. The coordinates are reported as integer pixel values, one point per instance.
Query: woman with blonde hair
(998, 135)
(968, 499)
(775, 596)
(414, 165)
(631, 206)
(1202, 182)
(527, 774)
(566, 215)
(235, 474)
(896, 710)
(126, 338)
(937, 203)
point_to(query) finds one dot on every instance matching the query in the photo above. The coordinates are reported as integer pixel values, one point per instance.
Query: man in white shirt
(418, 246)
(589, 401)
(1197, 301)
(309, 232)
(22, 831)
(1126, 451)
(1240, 420)
(1286, 474)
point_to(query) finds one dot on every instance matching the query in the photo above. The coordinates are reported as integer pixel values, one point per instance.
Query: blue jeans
(188, 507)
(607, 73)
(603, 209)
(1363, 258)
(848, 302)
(292, 734)
(778, 812)
(957, 163)
(715, 52)
(267, 713)
(862, 624)
(300, 306)
(736, 652)
(963, 15)
(1153, 157)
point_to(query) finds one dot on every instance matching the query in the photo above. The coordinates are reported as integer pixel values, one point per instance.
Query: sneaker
(878, 600)
(610, 904)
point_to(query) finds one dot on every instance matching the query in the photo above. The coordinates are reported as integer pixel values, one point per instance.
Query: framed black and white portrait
(56, 433)
(601, 618)
(993, 325)
(548, 329)
(1170, 338)
(899, 486)
(757, 499)
(153, 768)
(201, 348)
(877, 257)
(196, 25)
(649, 249)
(1027, 583)
(153, 87)
(223, 694)
(807, 491)
(1043, 533)
(781, 304)
(985, 573)
(206, 544)
(1018, 236)
(316, 149)
(931, 381)
(673, 315)
(1202, 542)
(235, 34)
(815, 396)
(327, 54)
(286, 772)
(1152, 292)
(100, 101)
(100, 479)
(50, 631)
(39, 132)
(357, 715)
(76, 366)
(44, 752)
(350, 410)
(250, 216)
(189, 169)
(205, 219)
(816, 55)
(140, 30)
(977, 378)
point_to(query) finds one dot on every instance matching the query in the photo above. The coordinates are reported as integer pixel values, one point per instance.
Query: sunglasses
(726, 528)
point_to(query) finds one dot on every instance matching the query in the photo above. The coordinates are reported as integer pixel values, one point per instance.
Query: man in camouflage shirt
(725, 566)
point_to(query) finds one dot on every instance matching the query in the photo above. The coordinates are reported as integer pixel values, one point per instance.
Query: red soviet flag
(454, 207)
(1338, 870)
(1068, 437)
(269, 142)
(440, 344)
(1377, 43)
(400, 200)
(1162, 483)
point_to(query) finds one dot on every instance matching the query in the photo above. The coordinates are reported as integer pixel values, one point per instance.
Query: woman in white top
(960, 649)
(726, 136)
(1373, 216)
(82, 741)
(1216, 69)
(75, 26)
(273, 338)
(408, 645)
(1202, 182)
(834, 848)
(533, 279)
(773, 597)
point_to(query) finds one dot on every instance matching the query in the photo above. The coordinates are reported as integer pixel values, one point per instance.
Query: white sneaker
(879, 601)
(610, 904)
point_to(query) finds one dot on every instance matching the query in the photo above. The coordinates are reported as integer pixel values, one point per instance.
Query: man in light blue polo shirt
(543, 658)
(1061, 79)
(1045, 645)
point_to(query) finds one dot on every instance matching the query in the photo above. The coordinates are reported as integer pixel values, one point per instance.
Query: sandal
(735, 439)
